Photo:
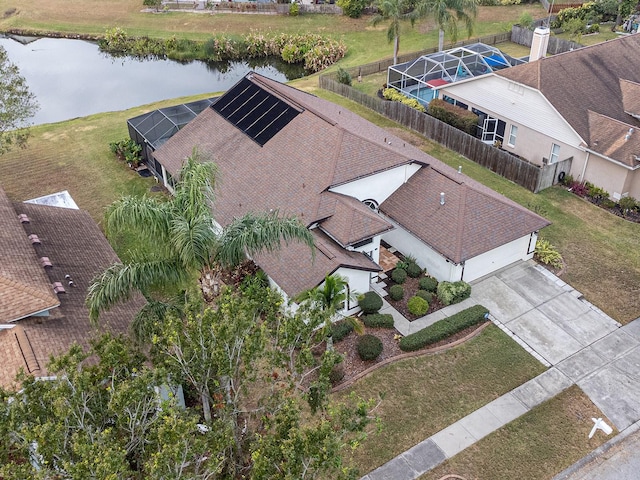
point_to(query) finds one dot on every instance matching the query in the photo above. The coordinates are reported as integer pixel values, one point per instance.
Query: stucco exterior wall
(436, 265)
(488, 262)
(607, 175)
(380, 186)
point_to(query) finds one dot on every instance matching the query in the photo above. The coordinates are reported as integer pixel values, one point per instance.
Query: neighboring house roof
(319, 147)
(294, 269)
(76, 247)
(473, 220)
(612, 139)
(25, 288)
(587, 79)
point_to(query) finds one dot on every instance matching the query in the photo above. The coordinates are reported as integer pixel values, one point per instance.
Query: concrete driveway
(594, 351)
(543, 311)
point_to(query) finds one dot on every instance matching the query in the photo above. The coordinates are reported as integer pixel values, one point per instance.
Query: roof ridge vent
(46, 263)
(34, 239)
(58, 288)
(23, 218)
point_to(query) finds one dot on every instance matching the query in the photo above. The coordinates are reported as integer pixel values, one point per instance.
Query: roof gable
(630, 97)
(584, 79)
(614, 139)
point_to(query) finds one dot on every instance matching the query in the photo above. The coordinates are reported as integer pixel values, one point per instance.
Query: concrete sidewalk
(555, 324)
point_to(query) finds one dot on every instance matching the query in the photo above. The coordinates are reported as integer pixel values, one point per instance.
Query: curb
(602, 449)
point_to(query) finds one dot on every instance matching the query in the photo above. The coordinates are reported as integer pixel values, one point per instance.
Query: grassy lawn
(75, 156)
(366, 43)
(535, 446)
(422, 395)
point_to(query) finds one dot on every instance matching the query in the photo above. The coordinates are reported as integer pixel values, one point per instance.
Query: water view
(72, 78)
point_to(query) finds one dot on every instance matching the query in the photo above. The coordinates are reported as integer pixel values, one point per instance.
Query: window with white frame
(555, 153)
(513, 133)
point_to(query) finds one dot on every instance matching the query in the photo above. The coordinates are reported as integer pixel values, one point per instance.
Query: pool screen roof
(255, 111)
(158, 126)
(450, 65)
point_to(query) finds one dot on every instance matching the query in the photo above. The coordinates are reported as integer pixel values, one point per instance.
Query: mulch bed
(411, 286)
(353, 366)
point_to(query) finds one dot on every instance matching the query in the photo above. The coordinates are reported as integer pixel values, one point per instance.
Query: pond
(72, 78)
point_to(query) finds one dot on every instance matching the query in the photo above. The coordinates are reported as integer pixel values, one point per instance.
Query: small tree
(17, 105)
(352, 8)
(152, 3)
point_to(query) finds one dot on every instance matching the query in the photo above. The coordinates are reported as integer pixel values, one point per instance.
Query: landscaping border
(418, 353)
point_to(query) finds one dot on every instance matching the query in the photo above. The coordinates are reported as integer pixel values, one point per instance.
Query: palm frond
(194, 240)
(252, 234)
(146, 321)
(118, 282)
(194, 193)
(147, 216)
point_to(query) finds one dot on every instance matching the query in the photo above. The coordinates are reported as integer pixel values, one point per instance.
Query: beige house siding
(609, 176)
(632, 185)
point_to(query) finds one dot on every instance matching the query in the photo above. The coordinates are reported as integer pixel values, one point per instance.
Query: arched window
(372, 204)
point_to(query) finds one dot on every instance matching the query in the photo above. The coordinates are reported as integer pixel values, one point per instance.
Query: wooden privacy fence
(524, 36)
(550, 174)
(503, 163)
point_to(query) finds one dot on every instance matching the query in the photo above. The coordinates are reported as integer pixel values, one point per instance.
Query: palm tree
(178, 238)
(395, 11)
(447, 14)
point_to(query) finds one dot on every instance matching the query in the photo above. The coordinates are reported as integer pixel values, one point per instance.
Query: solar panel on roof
(254, 111)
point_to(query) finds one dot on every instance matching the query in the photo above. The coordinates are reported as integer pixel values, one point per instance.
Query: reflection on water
(72, 78)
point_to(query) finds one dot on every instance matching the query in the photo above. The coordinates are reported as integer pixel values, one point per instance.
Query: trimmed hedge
(414, 270)
(428, 296)
(444, 328)
(455, 116)
(396, 292)
(429, 284)
(378, 320)
(451, 293)
(399, 275)
(370, 302)
(341, 329)
(418, 305)
(369, 347)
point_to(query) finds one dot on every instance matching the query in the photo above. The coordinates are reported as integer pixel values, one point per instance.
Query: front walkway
(554, 323)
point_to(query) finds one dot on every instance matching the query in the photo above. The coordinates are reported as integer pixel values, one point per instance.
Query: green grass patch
(423, 395)
(536, 446)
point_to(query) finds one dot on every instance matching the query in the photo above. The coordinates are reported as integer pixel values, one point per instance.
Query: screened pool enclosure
(152, 129)
(423, 77)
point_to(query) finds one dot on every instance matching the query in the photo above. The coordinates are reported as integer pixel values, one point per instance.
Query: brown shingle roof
(76, 247)
(612, 139)
(349, 220)
(630, 96)
(472, 221)
(293, 269)
(24, 286)
(585, 79)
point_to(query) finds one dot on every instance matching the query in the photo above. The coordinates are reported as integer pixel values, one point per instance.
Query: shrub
(526, 20)
(608, 203)
(399, 275)
(336, 374)
(428, 296)
(547, 253)
(127, 150)
(379, 320)
(593, 28)
(579, 189)
(597, 194)
(429, 284)
(341, 329)
(395, 96)
(455, 116)
(444, 328)
(396, 292)
(414, 270)
(369, 347)
(294, 9)
(370, 302)
(568, 180)
(418, 306)
(352, 8)
(344, 76)
(627, 204)
(450, 293)
(402, 265)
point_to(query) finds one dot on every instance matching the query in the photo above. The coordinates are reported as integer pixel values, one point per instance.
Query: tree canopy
(17, 105)
(257, 404)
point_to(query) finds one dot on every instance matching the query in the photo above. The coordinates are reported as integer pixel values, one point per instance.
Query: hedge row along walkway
(580, 343)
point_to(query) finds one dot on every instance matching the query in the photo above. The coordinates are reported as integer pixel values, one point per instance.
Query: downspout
(584, 168)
